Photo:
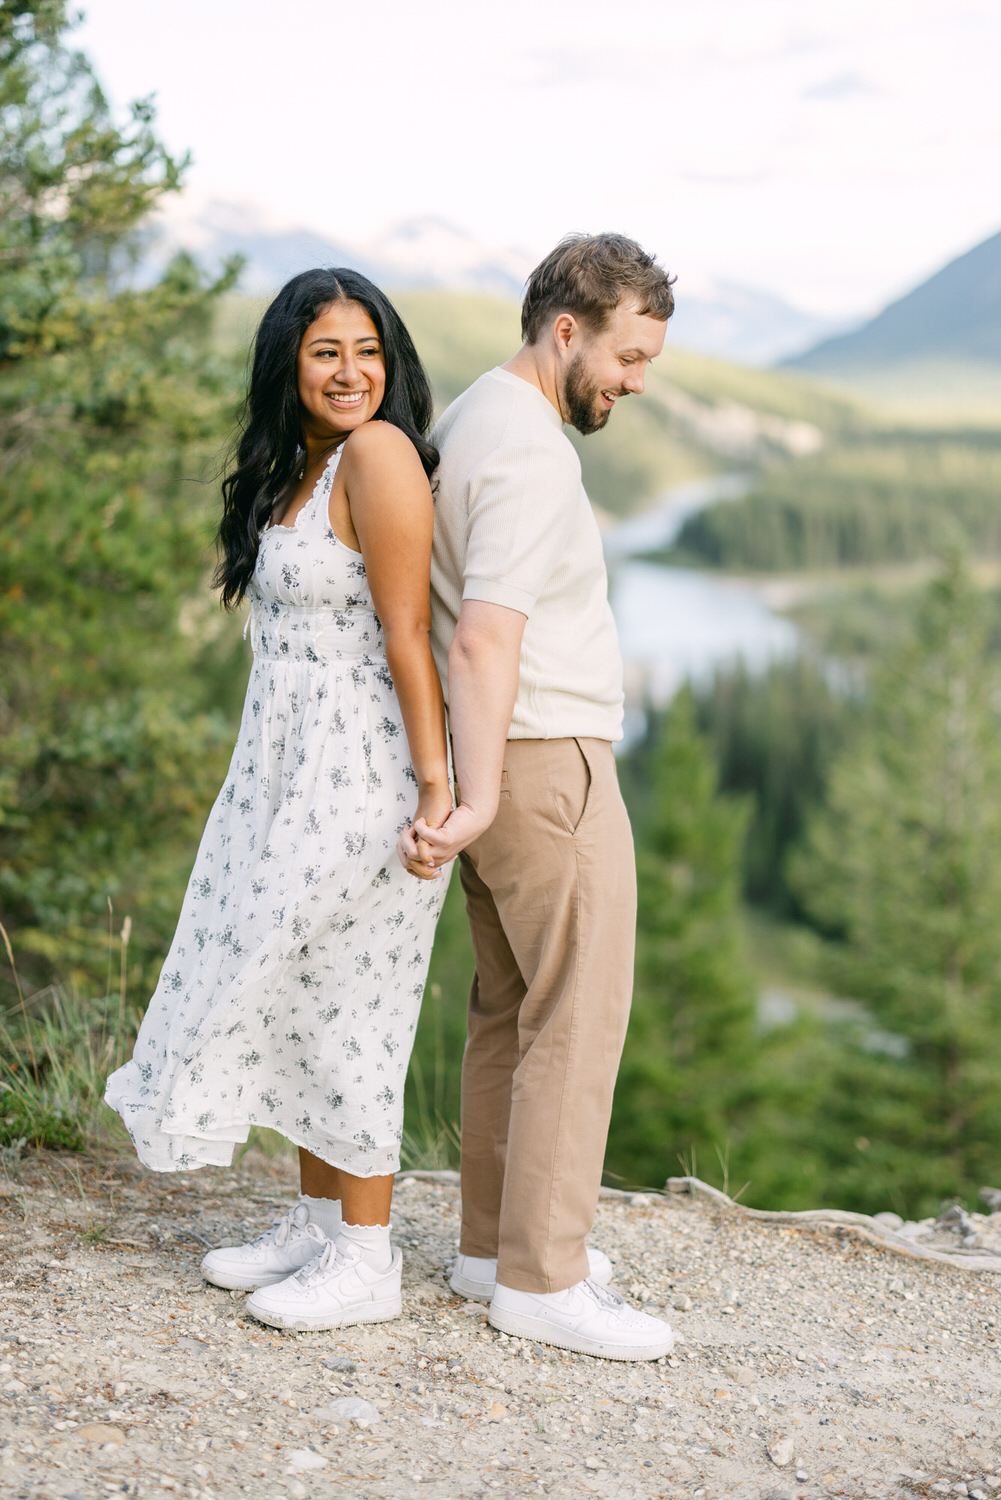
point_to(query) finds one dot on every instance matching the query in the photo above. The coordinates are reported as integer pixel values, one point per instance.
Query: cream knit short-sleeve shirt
(514, 527)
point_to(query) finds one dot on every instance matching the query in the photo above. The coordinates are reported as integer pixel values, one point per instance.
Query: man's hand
(459, 829)
(433, 807)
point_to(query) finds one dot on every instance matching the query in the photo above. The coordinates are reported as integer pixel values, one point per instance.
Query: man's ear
(564, 328)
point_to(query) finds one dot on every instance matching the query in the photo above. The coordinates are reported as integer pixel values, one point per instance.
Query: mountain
(420, 252)
(732, 322)
(741, 324)
(952, 319)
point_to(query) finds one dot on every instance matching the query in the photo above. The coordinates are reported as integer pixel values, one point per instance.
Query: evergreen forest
(817, 1011)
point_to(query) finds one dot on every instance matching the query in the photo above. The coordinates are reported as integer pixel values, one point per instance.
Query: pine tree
(903, 870)
(687, 1076)
(112, 407)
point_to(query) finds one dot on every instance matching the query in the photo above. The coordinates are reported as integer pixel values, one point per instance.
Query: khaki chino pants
(551, 897)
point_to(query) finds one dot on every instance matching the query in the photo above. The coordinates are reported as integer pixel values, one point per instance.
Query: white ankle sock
(372, 1240)
(325, 1213)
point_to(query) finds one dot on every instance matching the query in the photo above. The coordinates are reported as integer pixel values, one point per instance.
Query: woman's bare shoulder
(380, 444)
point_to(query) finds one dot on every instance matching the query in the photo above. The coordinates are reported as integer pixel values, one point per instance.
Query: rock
(780, 1451)
(301, 1459)
(992, 1197)
(348, 1409)
(683, 1303)
(913, 1231)
(888, 1220)
(100, 1432)
(342, 1366)
(958, 1220)
(496, 1412)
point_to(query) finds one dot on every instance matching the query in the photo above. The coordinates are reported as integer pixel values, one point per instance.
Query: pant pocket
(570, 784)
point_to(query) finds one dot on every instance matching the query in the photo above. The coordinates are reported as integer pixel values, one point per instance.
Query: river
(681, 623)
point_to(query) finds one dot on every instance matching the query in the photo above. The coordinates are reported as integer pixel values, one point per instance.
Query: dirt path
(121, 1372)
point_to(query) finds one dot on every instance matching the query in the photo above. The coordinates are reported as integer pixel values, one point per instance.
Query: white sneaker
(588, 1318)
(476, 1277)
(290, 1243)
(336, 1288)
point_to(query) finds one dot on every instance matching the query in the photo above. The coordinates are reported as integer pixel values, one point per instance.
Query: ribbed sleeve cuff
(491, 591)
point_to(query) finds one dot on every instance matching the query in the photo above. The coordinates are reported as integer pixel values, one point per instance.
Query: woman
(291, 991)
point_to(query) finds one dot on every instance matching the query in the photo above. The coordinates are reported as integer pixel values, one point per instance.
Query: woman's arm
(393, 516)
(483, 665)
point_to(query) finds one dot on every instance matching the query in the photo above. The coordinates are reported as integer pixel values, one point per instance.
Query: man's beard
(580, 398)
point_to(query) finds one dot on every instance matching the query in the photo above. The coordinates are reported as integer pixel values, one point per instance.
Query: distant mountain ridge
(418, 253)
(953, 317)
(427, 253)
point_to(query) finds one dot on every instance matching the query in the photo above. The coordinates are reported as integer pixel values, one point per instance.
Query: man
(526, 645)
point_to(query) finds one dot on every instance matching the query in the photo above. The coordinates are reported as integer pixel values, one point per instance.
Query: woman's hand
(442, 843)
(433, 807)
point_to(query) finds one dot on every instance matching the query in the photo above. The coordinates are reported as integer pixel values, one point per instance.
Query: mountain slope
(699, 415)
(714, 317)
(954, 317)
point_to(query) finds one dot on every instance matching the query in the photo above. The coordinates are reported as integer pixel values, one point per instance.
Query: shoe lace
(282, 1228)
(328, 1258)
(605, 1296)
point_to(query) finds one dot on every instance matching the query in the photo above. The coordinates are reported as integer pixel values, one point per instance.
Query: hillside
(700, 415)
(947, 329)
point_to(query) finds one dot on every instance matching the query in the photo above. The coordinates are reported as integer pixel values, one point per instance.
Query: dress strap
(318, 504)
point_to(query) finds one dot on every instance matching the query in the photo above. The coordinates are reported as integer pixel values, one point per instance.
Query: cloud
(841, 86)
(551, 67)
(728, 179)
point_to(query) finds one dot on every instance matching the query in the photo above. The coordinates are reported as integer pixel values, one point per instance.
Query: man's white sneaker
(290, 1243)
(588, 1318)
(334, 1290)
(475, 1277)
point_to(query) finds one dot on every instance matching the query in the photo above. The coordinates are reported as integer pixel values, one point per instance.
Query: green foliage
(687, 1071)
(112, 407)
(774, 735)
(902, 868)
(54, 1061)
(73, 186)
(430, 1136)
(876, 498)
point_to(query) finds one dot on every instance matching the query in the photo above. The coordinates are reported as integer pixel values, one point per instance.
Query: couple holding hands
(396, 574)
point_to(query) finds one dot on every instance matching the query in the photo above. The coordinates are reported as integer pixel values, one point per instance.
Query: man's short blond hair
(588, 275)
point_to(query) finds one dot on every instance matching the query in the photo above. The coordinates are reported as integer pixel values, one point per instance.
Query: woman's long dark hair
(270, 443)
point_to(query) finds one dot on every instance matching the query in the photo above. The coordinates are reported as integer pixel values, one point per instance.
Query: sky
(833, 154)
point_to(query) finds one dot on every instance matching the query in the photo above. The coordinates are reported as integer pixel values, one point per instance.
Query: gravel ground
(808, 1363)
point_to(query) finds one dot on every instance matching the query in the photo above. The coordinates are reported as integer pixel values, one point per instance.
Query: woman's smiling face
(341, 370)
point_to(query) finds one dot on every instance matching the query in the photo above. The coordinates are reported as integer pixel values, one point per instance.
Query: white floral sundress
(290, 994)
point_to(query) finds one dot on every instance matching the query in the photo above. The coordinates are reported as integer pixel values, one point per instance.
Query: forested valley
(817, 1014)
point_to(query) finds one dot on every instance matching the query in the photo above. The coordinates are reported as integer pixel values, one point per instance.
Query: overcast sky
(831, 151)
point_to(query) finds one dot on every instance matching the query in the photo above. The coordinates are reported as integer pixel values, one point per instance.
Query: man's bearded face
(587, 402)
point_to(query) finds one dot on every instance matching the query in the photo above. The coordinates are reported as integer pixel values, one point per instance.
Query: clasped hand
(427, 845)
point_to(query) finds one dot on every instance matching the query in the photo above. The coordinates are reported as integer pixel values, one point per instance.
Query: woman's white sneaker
(334, 1290)
(290, 1243)
(587, 1318)
(476, 1277)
